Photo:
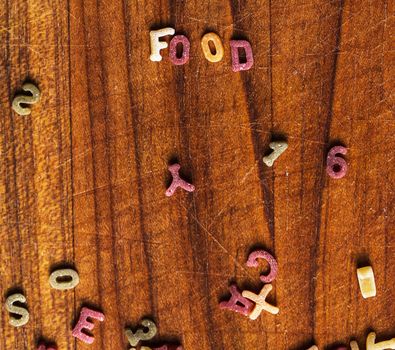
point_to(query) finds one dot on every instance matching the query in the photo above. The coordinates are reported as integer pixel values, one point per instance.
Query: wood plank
(83, 178)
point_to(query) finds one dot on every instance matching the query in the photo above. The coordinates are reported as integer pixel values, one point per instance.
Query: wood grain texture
(82, 179)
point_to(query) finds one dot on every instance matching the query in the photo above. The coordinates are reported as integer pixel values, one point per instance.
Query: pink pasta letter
(84, 323)
(236, 64)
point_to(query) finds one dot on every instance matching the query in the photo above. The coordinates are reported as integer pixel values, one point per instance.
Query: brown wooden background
(82, 179)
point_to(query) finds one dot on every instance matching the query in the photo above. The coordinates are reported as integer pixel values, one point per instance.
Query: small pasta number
(336, 166)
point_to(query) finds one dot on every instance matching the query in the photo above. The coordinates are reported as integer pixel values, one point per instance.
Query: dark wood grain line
(71, 342)
(28, 126)
(270, 210)
(59, 129)
(266, 178)
(7, 186)
(94, 180)
(135, 118)
(24, 337)
(109, 171)
(128, 120)
(258, 139)
(14, 201)
(387, 233)
(27, 134)
(321, 177)
(10, 190)
(197, 236)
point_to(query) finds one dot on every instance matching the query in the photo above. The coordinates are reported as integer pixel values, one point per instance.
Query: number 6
(336, 167)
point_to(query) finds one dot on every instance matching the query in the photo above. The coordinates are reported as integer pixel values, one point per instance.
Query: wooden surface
(83, 178)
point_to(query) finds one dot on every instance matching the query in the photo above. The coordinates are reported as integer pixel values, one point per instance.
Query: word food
(212, 55)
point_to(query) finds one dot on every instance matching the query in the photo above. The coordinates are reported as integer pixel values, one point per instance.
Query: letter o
(179, 39)
(64, 285)
(219, 48)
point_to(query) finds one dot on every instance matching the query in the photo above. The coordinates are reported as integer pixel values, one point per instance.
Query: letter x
(260, 301)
